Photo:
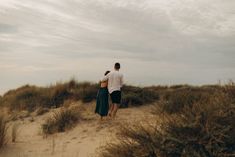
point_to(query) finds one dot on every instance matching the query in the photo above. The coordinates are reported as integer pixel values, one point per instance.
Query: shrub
(31, 97)
(203, 130)
(137, 96)
(60, 93)
(230, 90)
(176, 100)
(41, 111)
(26, 98)
(61, 120)
(0, 100)
(3, 130)
(86, 92)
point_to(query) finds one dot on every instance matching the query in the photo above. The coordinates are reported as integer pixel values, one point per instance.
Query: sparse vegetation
(0, 100)
(195, 121)
(14, 132)
(41, 111)
(3, 130)
(61, 120)
(136, 96)
(86, 91)
(31, 97)
(202, 127)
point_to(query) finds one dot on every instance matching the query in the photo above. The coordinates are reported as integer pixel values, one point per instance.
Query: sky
(157, 42)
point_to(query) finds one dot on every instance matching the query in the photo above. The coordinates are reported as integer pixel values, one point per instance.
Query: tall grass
(31, 97)
(136, 96)
(1, 100)
(203, 129)
(3, 130)
(14, 132)
(178, 98)
(61, 120)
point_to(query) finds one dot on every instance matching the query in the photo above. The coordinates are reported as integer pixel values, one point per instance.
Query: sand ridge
(81, 141)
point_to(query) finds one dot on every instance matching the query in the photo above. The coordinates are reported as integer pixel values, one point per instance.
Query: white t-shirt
(115, 81)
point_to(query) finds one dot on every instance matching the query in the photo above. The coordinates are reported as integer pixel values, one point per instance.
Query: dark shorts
(116, 97)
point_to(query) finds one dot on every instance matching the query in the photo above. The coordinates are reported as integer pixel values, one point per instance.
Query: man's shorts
(116, 97)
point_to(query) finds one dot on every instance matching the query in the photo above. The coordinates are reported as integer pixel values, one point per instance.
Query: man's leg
(117, 103)
(110, 109)
(115, 108)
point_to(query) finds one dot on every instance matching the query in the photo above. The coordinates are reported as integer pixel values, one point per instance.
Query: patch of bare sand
(81, 141)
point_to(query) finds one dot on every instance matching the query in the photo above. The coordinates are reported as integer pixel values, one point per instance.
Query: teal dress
(102, 102)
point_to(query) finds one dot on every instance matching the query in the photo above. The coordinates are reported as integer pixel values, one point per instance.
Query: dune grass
(200, 128)
(61, 120)
(14, 132)
(31, 97)
(3, 130)
(136, 96)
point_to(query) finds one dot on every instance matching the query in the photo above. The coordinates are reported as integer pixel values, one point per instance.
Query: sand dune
(81, 141)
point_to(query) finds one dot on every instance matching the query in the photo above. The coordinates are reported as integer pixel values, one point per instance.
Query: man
(115, 83)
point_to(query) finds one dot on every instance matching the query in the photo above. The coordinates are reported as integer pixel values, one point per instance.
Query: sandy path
(81, 141)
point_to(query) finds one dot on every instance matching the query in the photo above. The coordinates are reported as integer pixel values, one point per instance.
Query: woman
(102, 102)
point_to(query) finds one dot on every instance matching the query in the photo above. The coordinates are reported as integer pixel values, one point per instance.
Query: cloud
(172, 37)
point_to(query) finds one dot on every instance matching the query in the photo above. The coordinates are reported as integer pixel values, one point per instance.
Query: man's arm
(105, 78)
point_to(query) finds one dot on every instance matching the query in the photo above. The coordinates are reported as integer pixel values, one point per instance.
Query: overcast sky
(156, 41)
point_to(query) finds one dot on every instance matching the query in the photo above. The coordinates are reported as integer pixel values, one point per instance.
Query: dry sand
(81, 141)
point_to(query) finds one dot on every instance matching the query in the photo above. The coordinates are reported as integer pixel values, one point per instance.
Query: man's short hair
(117, 66)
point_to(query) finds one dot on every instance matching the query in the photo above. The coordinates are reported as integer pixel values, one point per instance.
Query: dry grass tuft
(14, 132)
(61, 120)
(3, 130)
(197, 130)
(31, 98)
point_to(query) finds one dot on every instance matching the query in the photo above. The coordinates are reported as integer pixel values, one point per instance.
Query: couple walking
(111, 85)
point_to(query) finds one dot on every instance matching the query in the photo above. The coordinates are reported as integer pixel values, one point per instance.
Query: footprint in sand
(74, 138)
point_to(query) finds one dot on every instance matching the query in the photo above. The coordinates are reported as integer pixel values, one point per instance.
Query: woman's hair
(106, 73)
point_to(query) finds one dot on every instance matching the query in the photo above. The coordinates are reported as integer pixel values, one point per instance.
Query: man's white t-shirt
(115, 81)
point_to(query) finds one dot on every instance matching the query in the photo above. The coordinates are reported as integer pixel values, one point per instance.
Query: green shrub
(137, 96)
(86, 92)
(179, 86)
(61, 120)
(59, 93)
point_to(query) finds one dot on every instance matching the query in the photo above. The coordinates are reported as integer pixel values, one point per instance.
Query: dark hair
(106, 73)
(117, 66)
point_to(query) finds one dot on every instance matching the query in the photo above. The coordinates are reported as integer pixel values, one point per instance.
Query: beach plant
(61, 120)
(3, 130)
(14, 132)
(200, 130)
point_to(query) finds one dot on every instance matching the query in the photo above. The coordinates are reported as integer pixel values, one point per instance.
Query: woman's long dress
(102, 102)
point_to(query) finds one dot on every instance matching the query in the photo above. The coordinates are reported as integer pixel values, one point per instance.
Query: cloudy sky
(156, 41)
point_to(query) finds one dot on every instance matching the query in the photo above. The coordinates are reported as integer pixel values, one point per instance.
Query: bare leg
(115, 108)
(110, 110)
